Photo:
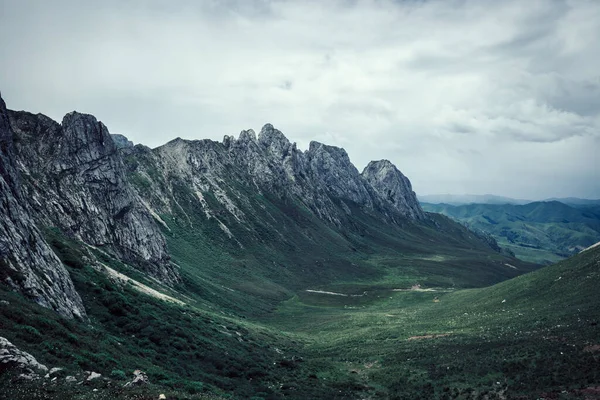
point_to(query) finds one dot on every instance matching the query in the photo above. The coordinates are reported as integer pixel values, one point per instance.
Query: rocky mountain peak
(274, 141)
(27, 263)
(394, 187)
(332, 166)
(121, 141)
(85, 127)
(82, 139)
(77, 182)
(247, 136)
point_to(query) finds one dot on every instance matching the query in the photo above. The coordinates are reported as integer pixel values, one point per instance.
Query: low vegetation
(365, 313)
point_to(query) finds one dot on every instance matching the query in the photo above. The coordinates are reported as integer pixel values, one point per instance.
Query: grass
(525, 337)
(520, 338)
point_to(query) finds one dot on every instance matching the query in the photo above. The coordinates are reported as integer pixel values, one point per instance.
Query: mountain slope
(538, 232)
(26, 261)
(258, 218)
(74, 179)
(534, 336)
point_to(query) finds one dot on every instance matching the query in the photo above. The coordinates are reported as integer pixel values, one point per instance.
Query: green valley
(249, 269)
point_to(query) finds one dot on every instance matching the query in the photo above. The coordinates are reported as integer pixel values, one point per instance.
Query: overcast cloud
(463, 96)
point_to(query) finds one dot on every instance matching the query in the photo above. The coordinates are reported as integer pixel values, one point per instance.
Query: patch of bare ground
(428, 336)
(592, 348)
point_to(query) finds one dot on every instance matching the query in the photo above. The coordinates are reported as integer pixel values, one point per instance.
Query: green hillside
(542, 232)
(534, 336)
(362, 337)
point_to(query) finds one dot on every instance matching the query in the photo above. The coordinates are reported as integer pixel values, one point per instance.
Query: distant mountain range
(541, 232)
(460, 199)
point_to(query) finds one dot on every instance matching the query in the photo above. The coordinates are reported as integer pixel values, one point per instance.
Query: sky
(463, 96)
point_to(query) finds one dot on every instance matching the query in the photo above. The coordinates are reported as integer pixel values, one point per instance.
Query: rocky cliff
(73, 178)
(26, 261)
(394, 188)
(321, 178)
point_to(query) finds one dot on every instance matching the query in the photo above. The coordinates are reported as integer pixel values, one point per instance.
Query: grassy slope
(278, 246)
(522, 338)
(188, 351)
(213, 343)
(324, 346)
(251, 274)
(542, 232)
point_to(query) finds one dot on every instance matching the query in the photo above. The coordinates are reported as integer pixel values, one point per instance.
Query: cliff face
(27, 263)
(394, 188)
(73, 177)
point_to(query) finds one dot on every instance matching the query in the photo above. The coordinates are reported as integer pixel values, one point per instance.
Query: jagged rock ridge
(322, 178)
(73, 176)
(74, 179)
(27, 263)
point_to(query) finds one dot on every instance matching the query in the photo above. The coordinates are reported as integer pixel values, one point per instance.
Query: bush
(118, 374)
(194, 387)
(29, 333)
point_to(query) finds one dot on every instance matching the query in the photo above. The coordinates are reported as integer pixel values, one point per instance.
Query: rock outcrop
(322, 178)
(395, 188)
(74, 179)
(121, 141)
(27, 262)
(13, 358)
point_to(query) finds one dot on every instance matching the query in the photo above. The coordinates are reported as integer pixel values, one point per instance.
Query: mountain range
(461, 199)
(247, 268)
(542, 232)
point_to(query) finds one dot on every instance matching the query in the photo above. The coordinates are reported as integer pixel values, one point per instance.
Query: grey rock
(121, 141)
(70, 379)
(331, 167)
(27, 262)
(395, 188)
(93, 375)
(75, 179)
(139, 378)
(322, 178)
(13, 358)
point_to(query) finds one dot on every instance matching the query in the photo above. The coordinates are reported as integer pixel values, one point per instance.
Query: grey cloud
(453, 92)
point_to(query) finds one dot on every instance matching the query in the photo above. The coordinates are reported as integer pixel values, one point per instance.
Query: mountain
(459, 199)
(541, 232)
(27, 262)
(172, 260)
(576, 202)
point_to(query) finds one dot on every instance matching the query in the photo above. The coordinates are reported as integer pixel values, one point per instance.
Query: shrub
(118, 374)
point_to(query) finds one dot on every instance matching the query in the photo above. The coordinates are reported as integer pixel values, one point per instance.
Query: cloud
(451, 91)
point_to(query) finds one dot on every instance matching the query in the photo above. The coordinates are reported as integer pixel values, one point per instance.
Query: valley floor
(534, 336)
